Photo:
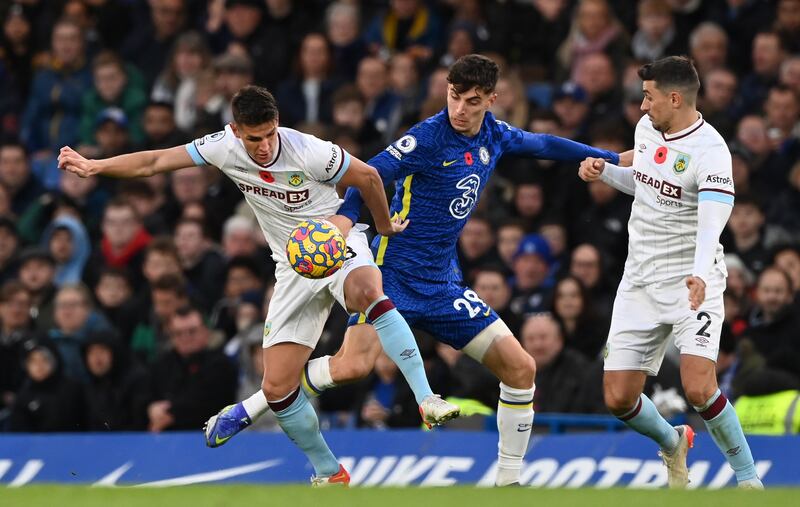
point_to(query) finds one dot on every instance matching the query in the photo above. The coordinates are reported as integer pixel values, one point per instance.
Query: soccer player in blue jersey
(440, 167)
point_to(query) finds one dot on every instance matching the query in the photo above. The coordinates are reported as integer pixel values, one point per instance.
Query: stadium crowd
(139, 305)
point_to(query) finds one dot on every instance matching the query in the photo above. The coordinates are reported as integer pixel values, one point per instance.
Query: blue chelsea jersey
(439, 175)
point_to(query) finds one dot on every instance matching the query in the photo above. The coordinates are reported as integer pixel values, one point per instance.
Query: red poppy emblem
(266, 176)
(661, 155)
(468, 158)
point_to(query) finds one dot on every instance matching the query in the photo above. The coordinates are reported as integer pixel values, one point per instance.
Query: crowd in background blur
(139, 304)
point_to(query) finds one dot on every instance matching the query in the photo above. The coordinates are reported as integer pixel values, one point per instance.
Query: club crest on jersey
(681, 163)
(266, 176)
(267, 328)
(295, 179)
(483, 154)
(406, 144)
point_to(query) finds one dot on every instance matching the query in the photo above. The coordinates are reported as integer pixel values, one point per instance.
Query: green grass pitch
(297, 496)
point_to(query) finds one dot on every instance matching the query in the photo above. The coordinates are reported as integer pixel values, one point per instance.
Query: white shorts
(644, 317)
(299, 306)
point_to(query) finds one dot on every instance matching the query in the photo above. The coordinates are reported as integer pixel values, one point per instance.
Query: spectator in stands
(476, 245)
(774, 322)
(461, 41)
(16, 56)
(202, 265)
(785, 208)
(408, 26)
(556, 235)
(189, 62)
(766, 176)
(531, 271)
(790, 72)
(36, 272)
(233, 71)
(342, 20)
(48, 401)
(787, 24)
(787, 258)
(511, 105)
(160, 130)
(115, 85)
(595, 73)
(111, 133)
(123, 242)
(491, 285)
(767, 55)
(349, 111)
(719, 99)
(385, 401)
(529, 204)
(595, 29)
(782, 109)
(16, 328)
(581, 330)
(243, 275)
(113, 293)
(738, 365)
(74, 319)
(571, 107)
(52, 114)
(307, 96)
(746, 226)
(509, 235)
(655, 36)
(382, 106)
(586, 265)
(239, 237)
(68, 243)
(148, 47)
(167, 294)
(559, 371)
(189, 381)
(404, 82)
(116, 393)
(9, 244)
(708, 47)
(16, 177)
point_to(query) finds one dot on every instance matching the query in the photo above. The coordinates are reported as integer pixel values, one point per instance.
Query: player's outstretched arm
(366, 179)
(550, 147)
(131, 165)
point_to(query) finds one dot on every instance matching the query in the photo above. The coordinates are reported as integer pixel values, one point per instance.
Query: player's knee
(618, 402)
(520, 371)
(364, 296)
(697, 396)
(275, 390)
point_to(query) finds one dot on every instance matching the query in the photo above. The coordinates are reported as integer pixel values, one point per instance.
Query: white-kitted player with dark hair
(675, 273)
(287, 177)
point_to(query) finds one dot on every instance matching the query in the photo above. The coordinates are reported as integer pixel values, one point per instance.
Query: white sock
(515, 423)
(255, 405)
(317, 376)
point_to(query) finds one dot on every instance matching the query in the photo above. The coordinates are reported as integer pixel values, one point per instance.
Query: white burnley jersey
(671, 172)
(299, 184)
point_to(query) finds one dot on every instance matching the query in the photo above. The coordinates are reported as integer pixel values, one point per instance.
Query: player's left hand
(397, 225)
(697, 291)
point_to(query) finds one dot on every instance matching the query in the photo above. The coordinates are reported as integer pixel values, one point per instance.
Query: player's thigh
(356, 357)
(637, 338)
(297, 311)
(697, 332)
(358, 279)
(509, 362)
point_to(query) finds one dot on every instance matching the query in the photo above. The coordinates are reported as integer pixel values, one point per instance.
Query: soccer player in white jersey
(675, 273)
(287, 177)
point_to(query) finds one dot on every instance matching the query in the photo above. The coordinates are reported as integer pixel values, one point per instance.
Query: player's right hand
(396, 226)
(71, 161)
(591, 169)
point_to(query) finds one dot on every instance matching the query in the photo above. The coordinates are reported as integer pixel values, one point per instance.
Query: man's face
(789, 261)
(39, 365)
(15, 313)
(658, 106)
(752, 133)
(372, 78)
(508, 239)
(111, 291)
(585, 265)
(261, 142)
(76, 187)
(188, 333)
(242, 20)
(349, 114)
(158, 122)
(14, 169)
(61, 245)
(466, 110)
(8, 244)
(711, 51)
(493, 289)
(167, 16)
(36, 274)
(165, 304)
(110, 81)
(530, 271)
(720, 89)
(476, 238)
(541, 339)
(67, 44)
(189, 241)
(157, 264)
(71, 311)
(120, 225)
(239, 242)
(746, 219)
(571, 112)
(529, 200)
(767, 54)
(773, 292)
(99, 359)
(782, 109)
(112, 138)
(239, 281)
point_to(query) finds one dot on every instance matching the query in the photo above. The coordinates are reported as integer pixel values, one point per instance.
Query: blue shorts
(451, 312)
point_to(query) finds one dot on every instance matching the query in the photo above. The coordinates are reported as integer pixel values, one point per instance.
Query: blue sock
(399, 344)
(725, 429)
(645, 419)
(299, 421)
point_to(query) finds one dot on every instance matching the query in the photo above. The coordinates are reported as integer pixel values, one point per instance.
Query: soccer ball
(316, 249)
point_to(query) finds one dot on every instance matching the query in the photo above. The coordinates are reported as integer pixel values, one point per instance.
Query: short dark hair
(121, 202)
(11, 289)
(473, 70)
(171, 283)
(673, 73)
(253, 106)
